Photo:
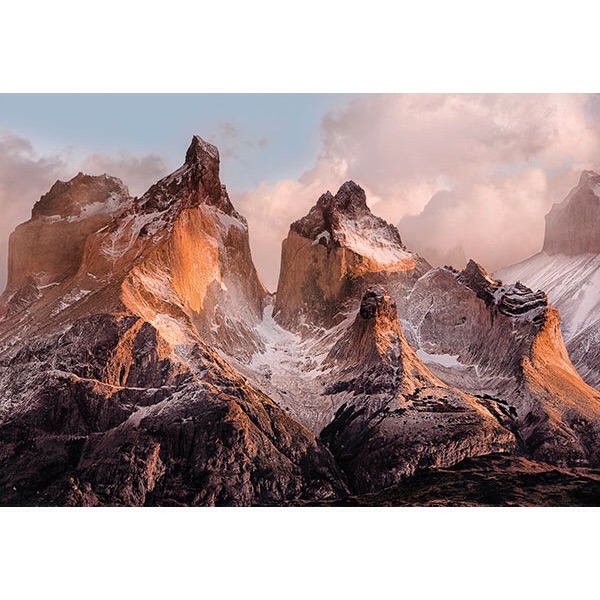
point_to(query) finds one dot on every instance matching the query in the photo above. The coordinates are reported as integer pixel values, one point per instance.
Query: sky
(463, 176)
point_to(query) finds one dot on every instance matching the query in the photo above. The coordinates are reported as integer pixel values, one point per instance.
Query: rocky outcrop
(491, 480)
(112, 390)
(503, 343)
(49, 247)
(395, 416)
(333, 254)
(572, 225)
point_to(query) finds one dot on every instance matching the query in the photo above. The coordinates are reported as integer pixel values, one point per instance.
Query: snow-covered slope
(568, 270)
(571, 282)
(573, 287)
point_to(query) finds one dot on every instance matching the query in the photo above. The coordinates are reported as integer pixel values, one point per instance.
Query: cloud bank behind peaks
(460, 174)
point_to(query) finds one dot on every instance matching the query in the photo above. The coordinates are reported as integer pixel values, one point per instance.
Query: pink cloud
(501, 161)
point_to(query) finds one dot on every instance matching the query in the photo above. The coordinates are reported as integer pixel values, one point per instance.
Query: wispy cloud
(138, 172)
(501, 161)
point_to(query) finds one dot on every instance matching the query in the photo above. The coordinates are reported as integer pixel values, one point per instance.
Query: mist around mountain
(143, 362)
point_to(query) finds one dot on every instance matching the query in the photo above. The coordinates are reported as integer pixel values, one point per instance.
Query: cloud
(472, 173)
(271, 208)
(235, 142)
(139, 173)
(229, 130)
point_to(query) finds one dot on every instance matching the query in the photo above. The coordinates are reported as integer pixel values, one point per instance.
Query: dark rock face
(70, 198)
(350, 203)
(196, 183)
(572, 227)
(376, 302)
(513, 300)
(396, 417)
(110, 390)
(492, 480)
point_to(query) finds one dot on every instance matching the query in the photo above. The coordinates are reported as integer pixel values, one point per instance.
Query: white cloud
(501, 161)
(137, 172)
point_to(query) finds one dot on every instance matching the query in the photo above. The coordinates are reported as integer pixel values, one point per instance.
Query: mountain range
(143, 363)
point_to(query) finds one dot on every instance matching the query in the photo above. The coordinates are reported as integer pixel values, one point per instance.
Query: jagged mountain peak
(476, 271)
(70, 198)
(200, 151)
(585, 175)
(351, 197)
(345, 220)
(330, 217)
(515, 300)
(572, 227)
(195, 183)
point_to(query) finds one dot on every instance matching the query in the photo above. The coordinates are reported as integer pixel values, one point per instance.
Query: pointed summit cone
(333, 254)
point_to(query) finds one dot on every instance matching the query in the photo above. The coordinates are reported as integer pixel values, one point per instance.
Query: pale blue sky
(262, 137)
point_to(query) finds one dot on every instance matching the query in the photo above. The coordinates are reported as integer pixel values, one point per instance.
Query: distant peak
(585, 175)
(199, 151)
(572, 225)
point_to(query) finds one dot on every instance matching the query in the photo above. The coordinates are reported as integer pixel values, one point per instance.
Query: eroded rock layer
(333, 254)
(111, 388)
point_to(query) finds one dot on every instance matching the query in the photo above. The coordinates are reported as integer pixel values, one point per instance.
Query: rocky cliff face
(568, 270)
(149, 366)
(571, 226)
(395, 416)
(333, 254)
(111, 388)
(503, 343)
(68, 213)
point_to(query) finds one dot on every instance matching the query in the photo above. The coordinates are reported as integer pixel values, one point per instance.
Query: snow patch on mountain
(572, 284)
(229, 221)
(367, 237)
(445, 360)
